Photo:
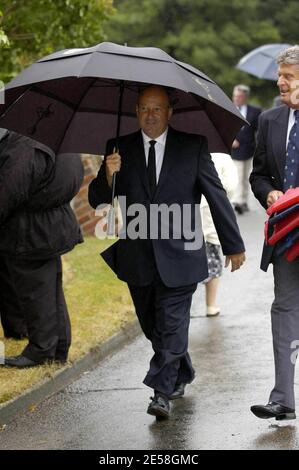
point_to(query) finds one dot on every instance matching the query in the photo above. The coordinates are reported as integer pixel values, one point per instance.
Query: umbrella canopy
(261, 62)
(69, 100)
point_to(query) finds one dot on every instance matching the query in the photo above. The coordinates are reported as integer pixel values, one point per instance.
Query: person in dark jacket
(275, 171)
(161, 167)
(37, 225)
(243, 146)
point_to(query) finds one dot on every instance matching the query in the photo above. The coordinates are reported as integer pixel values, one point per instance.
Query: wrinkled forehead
(289, 69)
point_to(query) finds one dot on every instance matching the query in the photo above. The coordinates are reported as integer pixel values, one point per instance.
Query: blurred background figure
(229, 177)
(243, 146)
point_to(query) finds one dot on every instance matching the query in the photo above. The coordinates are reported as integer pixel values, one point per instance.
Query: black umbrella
(72, 100)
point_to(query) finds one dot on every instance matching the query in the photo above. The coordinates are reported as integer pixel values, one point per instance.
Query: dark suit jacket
(269, 161)
(246, 136)
(36, 187)
(187, 172)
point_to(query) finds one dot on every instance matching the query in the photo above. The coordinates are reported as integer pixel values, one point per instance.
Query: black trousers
(12, 318)
(164, 316)
(37, 286)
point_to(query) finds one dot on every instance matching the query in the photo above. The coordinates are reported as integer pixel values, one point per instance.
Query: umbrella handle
(113, 188)
(111, 222)
(111, 213)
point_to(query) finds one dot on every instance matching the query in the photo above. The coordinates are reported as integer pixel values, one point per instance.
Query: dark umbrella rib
(136, 57)
(189, 68)
(55, 97)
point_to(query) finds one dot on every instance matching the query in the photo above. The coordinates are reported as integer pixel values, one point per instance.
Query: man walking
(275, 169)
(243, 146)
(159, 165)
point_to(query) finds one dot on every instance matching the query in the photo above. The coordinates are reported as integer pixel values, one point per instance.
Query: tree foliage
(212, 35)
(38, 27)
(3, 37)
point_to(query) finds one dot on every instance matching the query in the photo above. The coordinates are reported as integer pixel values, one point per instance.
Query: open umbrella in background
(261, 62)
(76, 99)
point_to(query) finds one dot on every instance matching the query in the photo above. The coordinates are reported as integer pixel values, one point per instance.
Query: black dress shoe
(273, 410)
(178, 392)
(21, 362)
(159, 406)
(61, 358)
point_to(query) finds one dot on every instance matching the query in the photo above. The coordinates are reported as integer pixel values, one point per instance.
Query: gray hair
(289, 56)
(243, 88)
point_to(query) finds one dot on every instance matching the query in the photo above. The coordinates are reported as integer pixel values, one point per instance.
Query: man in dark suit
(243, 146)
(158, 165)
(275, 169)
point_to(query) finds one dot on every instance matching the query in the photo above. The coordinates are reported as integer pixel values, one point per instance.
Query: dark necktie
(292, 156)
(151, 167)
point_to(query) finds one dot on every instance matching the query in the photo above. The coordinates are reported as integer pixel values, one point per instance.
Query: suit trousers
(12, 318)
(285, 329)
(38, 288)
(164, 316)
(244, 168)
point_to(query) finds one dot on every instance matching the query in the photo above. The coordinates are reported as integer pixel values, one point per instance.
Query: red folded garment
(289, 198)
(282, 228)
(292, 252)
(283, 219)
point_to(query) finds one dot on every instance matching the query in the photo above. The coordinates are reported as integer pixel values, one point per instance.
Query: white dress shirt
(290, 124)
(243, 110)
(159, 150)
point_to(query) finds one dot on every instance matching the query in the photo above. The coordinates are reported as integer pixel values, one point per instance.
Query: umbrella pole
(111, 213)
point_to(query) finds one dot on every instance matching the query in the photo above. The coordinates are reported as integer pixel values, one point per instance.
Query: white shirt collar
(291, 118)
(243, 110)
(161, 139)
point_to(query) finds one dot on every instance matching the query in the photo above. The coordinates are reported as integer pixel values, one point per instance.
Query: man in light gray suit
(275, 170)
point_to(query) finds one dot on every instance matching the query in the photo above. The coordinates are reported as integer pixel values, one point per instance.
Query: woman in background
(228, 175)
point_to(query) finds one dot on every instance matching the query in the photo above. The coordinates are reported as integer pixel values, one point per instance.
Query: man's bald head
(153, 110)
(154, 90)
